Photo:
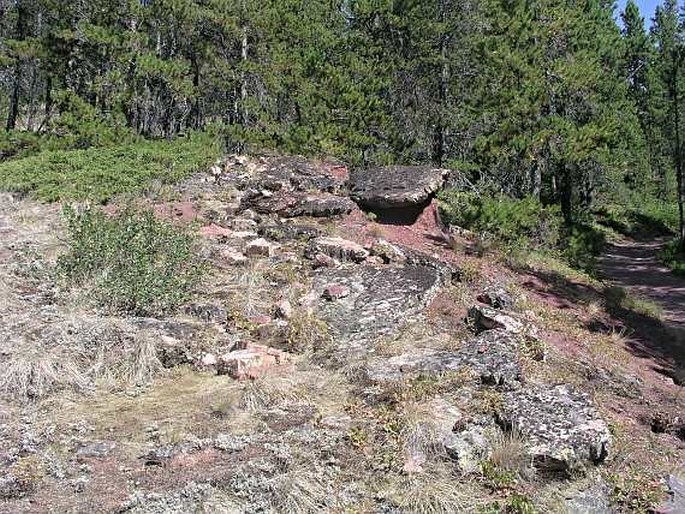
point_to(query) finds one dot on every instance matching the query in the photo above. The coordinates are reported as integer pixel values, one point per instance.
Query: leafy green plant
(514, 221)
(131, 262)
(673, 257)
(581, 243)
(100, 173)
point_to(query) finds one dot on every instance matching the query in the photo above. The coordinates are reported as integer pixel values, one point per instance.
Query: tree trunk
(678, 153)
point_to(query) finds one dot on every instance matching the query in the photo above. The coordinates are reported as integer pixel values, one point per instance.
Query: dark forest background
(550, 100)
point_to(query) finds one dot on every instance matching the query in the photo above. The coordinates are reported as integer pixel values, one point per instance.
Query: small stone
(232, 256)
(284, 309)
(335, 292)
(486, 318)
(321, 260)
(496, 297)
(215, 231)
(243, 224)
(260, 248)
(251, 361)
(96, 450)
(414, 464)
(337, 248)
(209, 360)
(374, 260)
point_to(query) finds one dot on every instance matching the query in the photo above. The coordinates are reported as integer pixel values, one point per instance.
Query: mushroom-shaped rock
(562, 428)
(395, 186)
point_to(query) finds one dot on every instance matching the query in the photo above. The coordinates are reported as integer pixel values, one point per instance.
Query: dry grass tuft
(432, 493)
(509, 453)
(268, 392)
(298, 491)
(31, 373)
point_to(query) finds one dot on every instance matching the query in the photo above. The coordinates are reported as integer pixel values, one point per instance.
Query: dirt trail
(634, 266)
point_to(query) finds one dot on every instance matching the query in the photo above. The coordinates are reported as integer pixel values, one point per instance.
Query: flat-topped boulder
(294, 173)
(395, 186)
(379, 301)
(291, 204)
(562, 428)
(492, 357)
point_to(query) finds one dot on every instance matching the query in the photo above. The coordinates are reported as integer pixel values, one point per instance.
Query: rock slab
(563, 429)
(395, 186)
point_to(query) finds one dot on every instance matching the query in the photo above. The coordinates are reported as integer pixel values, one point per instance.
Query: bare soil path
(634, 265)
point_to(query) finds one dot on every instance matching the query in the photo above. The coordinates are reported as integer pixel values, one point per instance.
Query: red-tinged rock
(260, 248)
(215, 231)
(335, 292)
(252, 361)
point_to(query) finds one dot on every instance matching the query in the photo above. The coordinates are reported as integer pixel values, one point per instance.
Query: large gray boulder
(395, 186)
(561, 426)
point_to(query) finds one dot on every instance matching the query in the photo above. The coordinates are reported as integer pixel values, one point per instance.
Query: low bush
(581, 243)
(98, 174)
(515, 221)
(672, 256)
(131, 262)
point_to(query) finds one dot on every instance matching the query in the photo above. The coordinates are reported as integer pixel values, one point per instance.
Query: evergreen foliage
(549, 99)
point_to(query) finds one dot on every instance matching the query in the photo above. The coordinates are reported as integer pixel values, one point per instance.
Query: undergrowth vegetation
(130, 262)
(672, 256)
(523, 225)
(98, 174)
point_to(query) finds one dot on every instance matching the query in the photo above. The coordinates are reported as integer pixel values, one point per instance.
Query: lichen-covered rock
(469, 447)
(496, 297)
(207, 312)
(381, 300)
(562, 428)
(486, 318)
(395, 186)
(388, 252)
(337, 248)
(297, 174)
(289, 231)
(322, 205)
(676, 492)
(289, 204)
(492, 357)
(592, 498)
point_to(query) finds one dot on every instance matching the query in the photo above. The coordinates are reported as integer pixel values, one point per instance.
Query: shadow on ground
(661, 342)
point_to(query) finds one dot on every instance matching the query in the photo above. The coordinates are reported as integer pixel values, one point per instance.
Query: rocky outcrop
(289, 204)
(395, 186)
(562, 428)
(381, 300)
(492, 357)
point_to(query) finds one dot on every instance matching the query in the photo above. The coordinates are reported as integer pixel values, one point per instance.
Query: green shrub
(514, 221)
(131, 262)
(673, 257)
(98, 174)
(581, 243)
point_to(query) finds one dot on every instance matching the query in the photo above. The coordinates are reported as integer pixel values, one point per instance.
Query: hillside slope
(332, 360)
